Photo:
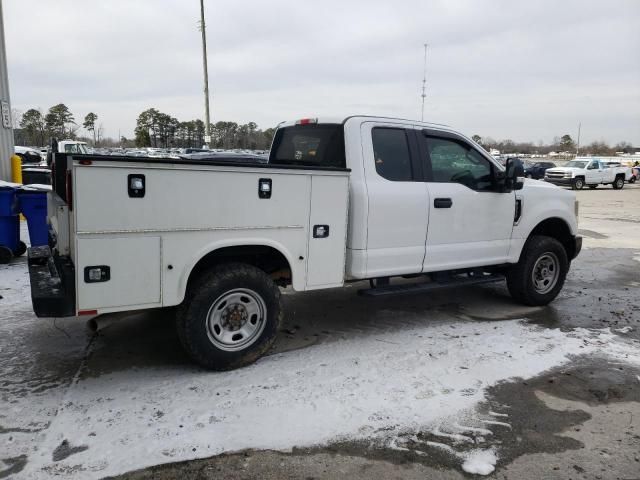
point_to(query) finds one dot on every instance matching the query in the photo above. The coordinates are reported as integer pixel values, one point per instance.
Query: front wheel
(230, 317)
(5, 254)
(578, 184)
(618, 183)
(540, 273)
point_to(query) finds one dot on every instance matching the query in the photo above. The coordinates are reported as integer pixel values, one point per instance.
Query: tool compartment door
(134, 272)
(327, 231)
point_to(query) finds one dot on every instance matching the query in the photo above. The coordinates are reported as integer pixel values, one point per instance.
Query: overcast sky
(525, 70)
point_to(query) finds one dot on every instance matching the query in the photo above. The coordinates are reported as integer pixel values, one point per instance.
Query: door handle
(442, 203)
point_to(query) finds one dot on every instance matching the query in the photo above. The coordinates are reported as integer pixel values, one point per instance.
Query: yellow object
(16, 169)
(16, 173)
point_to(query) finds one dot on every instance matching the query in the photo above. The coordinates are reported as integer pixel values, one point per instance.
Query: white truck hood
(564, 169)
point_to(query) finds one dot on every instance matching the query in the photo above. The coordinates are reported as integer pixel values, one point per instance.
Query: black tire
(578, 183)
(632, 180)
(5, 254)
(22, 248)
(593, 187)
(618, 183)
(520, 277)
(201, 336)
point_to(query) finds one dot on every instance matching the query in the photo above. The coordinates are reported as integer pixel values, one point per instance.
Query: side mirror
(514, 173)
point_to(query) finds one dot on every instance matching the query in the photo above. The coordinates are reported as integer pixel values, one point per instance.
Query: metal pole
(6, 130)
(424, 82)
(207, 120)
(578, 144)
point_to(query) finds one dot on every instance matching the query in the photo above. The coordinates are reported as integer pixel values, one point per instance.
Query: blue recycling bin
(10, 244)
(33, 205)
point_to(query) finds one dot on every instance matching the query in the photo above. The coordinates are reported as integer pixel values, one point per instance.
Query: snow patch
(480, 462)
(626, 329)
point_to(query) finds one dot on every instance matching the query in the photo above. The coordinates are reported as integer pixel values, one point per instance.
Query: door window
(455, 162)
(391, 154)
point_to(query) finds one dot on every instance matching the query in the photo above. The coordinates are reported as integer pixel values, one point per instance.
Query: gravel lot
(435, 386)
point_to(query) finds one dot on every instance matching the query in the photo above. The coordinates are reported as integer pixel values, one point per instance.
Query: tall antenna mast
(424, 82)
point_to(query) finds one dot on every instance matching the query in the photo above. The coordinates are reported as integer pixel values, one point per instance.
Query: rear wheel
(578, 183)
(540, 274)
(230, 317)
(618, 183)
(22, 248)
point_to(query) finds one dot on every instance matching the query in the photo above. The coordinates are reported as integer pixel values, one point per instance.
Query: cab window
(391, 154)
(454, 161)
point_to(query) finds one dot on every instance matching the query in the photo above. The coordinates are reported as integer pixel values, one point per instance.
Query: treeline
(37, 128)
(153, 129)
(563, 144)
(157, 129)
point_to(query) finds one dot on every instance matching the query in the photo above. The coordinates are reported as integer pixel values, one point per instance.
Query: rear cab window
(313, 145)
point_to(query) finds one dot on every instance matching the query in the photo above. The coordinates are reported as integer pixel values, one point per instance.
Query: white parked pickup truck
(588, 171)
(359, 198)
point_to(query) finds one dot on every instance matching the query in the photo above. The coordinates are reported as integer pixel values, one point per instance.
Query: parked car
(536, 170)
(339, 201)
(587, 171)
(28, 155)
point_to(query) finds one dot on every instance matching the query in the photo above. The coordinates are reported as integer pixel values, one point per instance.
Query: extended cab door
(398, 199)
(470, 220)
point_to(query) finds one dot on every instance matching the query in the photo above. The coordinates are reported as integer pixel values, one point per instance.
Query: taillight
(306, 121)
(69, 190)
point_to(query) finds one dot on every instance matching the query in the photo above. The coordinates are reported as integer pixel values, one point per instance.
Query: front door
(470, 221)
(594, 173)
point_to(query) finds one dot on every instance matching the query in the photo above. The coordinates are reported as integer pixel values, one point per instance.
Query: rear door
(398, 199)
(470, 221)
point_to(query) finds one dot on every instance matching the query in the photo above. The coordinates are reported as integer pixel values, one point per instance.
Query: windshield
(309, 145)
(576, 164)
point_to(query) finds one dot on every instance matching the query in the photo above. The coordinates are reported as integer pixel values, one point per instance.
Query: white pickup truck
(590, 172)
(358, 198)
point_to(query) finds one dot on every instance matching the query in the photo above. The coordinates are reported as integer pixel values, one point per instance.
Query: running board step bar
(426, 287)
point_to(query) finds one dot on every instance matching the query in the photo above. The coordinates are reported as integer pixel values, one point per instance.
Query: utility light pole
(578, 143)
(424, 82)
(207, 120)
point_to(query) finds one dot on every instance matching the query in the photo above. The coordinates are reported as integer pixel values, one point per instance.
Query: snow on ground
(351, 390)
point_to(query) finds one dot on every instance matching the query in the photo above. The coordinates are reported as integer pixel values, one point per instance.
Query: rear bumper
(578, 245)
(559, 181)
(52, 283)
